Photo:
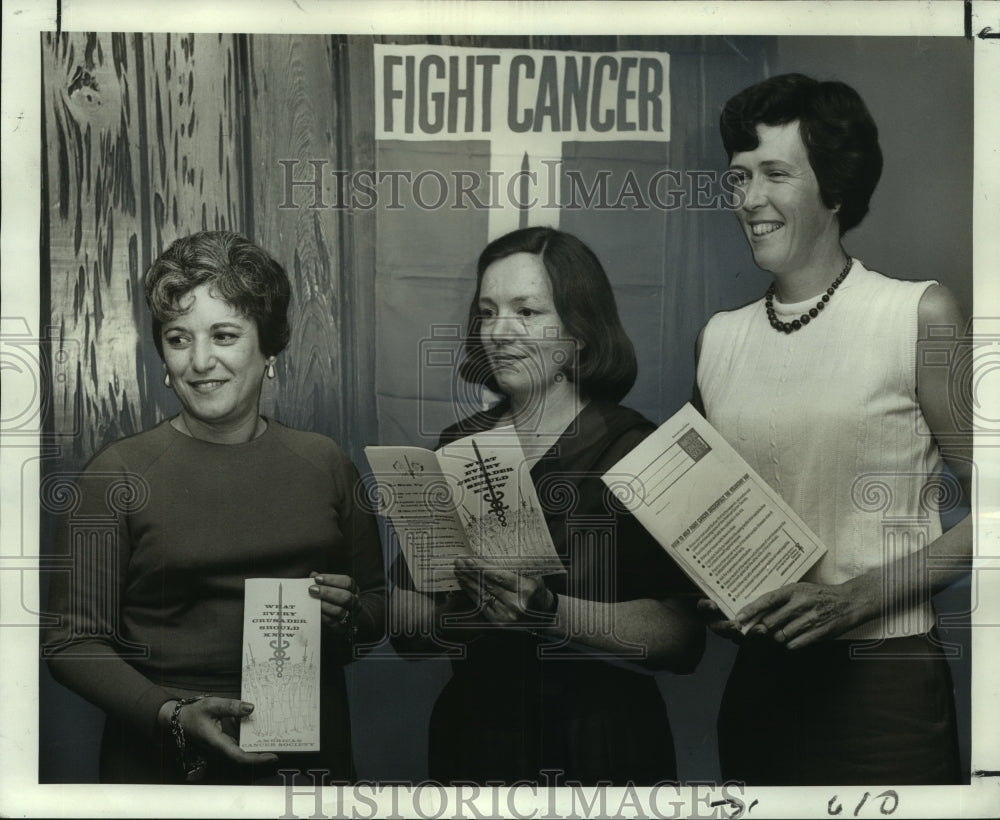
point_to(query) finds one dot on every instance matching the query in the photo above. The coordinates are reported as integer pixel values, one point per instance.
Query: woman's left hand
(338, 595)
(801, 614)
(505, 597)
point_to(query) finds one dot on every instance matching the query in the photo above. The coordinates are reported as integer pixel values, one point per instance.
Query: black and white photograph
(484, 409)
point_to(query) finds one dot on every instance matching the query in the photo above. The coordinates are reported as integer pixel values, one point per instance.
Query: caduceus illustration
(492, 495)
(279, 644)
(407, 467)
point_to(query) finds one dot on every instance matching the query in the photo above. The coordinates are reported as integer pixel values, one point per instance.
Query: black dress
(519, 704)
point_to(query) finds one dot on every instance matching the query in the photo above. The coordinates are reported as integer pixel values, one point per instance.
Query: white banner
(428, 92)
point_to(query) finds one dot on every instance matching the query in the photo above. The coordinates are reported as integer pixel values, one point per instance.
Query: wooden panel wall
(151, 137)
(194, 122)
(192, 161)
(91, 127)
(296, 117)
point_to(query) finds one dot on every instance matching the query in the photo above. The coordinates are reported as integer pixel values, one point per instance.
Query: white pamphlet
(472, 497)
(720, 521)
(281, 654)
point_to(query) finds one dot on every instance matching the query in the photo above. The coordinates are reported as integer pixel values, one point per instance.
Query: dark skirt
(818, 716)
(580, 720)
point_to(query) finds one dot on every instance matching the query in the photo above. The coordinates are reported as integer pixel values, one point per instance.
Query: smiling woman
(783, 215)
(822, 387)
(220, 318)
(158, 646)
(214, 362)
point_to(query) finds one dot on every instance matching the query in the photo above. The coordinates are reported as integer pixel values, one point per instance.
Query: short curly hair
(839, 134)
(237, 271)
(606, 364)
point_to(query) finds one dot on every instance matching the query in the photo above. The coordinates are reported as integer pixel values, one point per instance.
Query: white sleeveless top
(828, 416)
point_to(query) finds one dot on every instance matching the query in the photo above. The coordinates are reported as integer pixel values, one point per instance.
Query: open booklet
(721, 522)
(472, 497)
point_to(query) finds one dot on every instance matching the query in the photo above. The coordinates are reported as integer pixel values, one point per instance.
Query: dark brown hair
(839, 135)
(606, 365)
(237, 271)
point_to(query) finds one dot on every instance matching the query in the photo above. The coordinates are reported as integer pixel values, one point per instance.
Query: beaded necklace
(805, 318)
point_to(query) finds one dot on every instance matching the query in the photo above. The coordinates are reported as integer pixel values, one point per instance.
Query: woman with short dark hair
(822, 386)
(605, 367)
(203, 501)
(837, 131)
(239, 273)
(552, 677)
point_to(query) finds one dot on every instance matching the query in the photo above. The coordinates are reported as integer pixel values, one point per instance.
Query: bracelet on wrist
(192, 763)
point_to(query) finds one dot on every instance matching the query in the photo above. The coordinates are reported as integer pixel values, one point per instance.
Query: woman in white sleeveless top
(825, 387)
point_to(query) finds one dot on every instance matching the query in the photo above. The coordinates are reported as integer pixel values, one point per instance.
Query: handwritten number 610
(889, 798)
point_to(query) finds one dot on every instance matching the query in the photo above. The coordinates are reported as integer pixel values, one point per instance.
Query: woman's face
(212, 353)
(521, 332)
(782, 213)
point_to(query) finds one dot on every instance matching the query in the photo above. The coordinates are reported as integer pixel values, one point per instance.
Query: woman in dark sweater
(151, 622)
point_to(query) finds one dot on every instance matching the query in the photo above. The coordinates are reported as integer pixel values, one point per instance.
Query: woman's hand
(504, 597)
(212, 725)
(716, 620)
(338, 595)
(801, 614)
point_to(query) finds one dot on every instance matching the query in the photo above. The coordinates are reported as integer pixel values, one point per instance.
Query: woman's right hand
(212, 724)
(716, 620)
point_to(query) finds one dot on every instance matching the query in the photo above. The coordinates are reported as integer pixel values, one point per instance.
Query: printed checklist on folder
(723, 525)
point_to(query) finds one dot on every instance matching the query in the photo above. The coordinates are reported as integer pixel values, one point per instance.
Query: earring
(270, 368)
(166, 376)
